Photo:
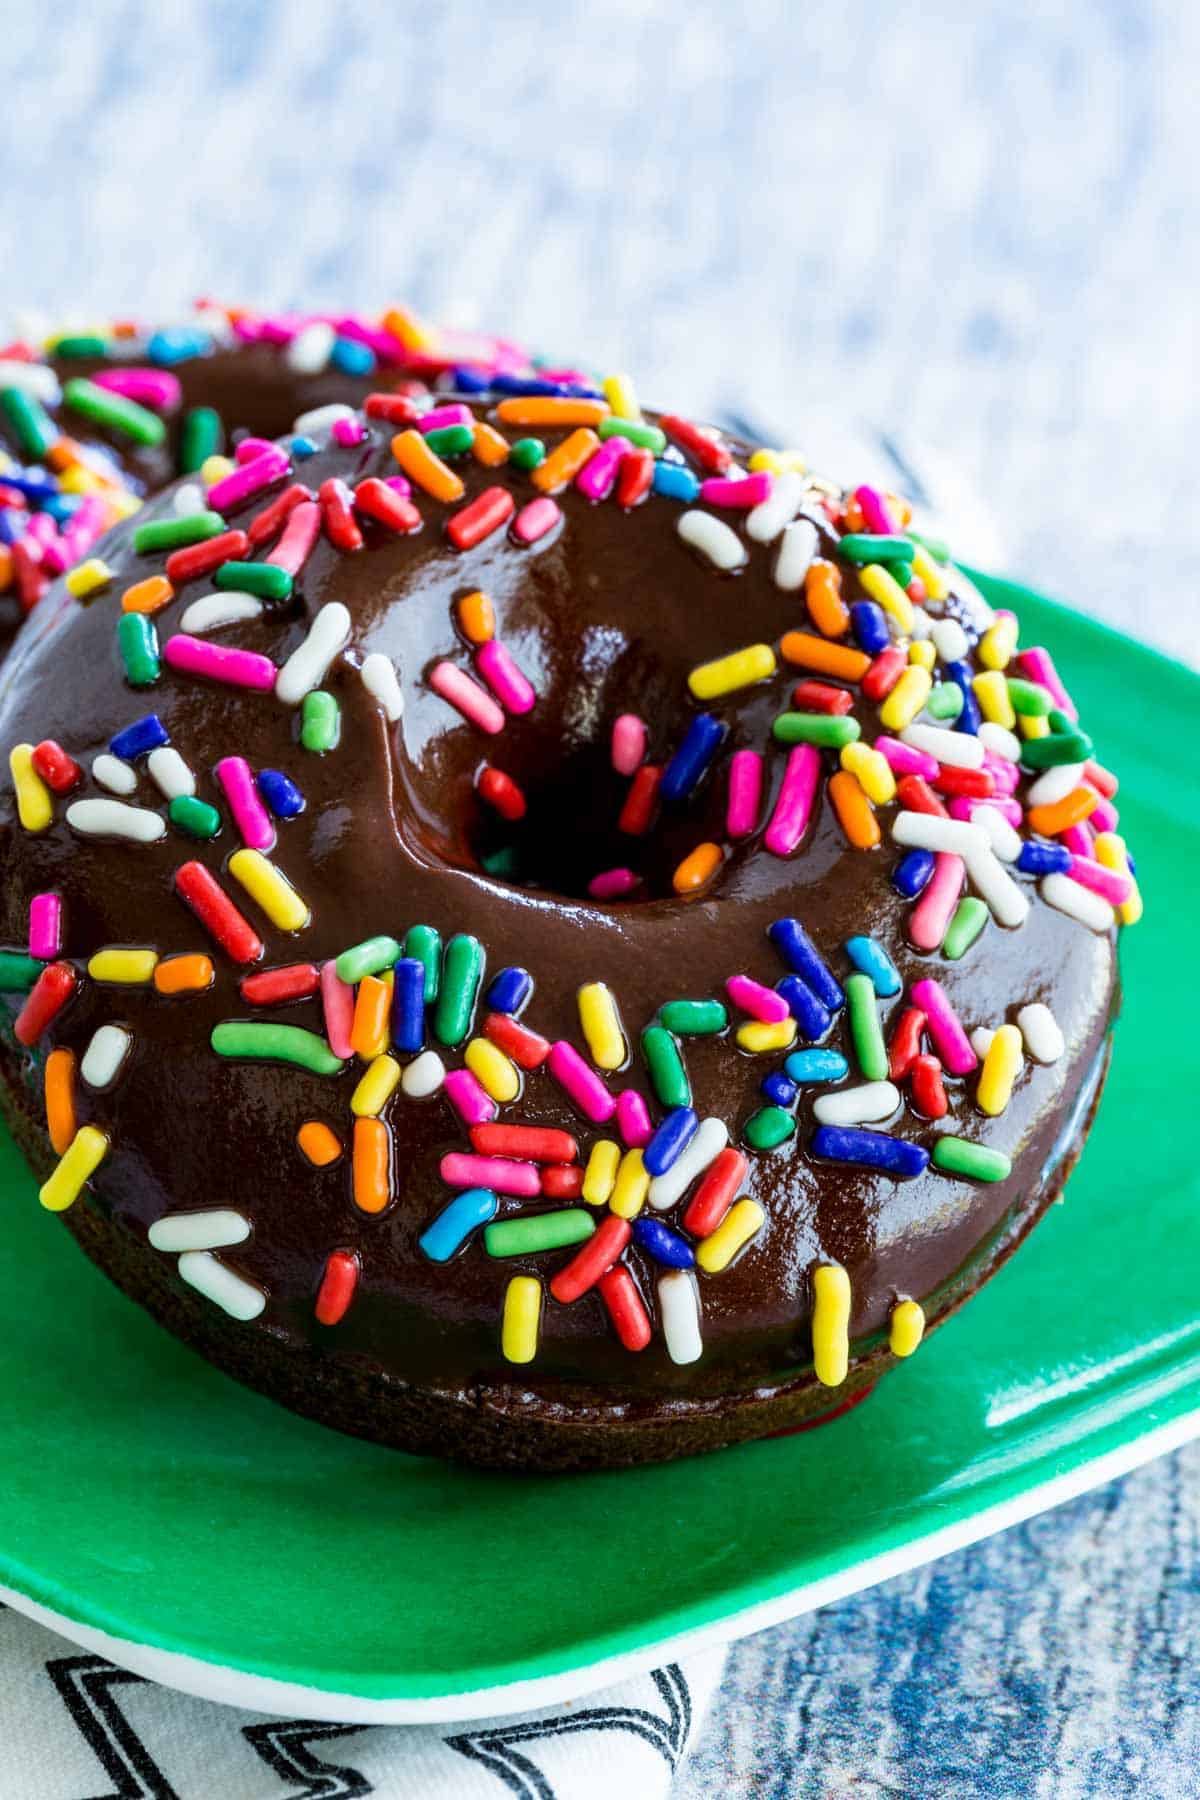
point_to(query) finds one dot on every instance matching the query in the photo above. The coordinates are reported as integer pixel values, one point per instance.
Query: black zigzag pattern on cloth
(283, 1744)
(497, 1749)
(85, 1686)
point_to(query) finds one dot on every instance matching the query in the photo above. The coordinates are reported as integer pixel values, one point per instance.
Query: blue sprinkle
(455, 1223)
(779, 1090)
(813, 1019)
(36, 486)
(63, 507)
(676, 482)
(510, 990)
(408, 1004)
(12, 524)
(912, 874)
(664, 1245)
(302, 448)
(139, 738)
(872, 1149)
(869, 625)
(970, 717)
(167, 347)
(1044, 859)
(465, 379)
(869, 955)
(686, 768)
(817, 1065)
(280, 793)
(351, 357)
(800, 953)
(668, 1142)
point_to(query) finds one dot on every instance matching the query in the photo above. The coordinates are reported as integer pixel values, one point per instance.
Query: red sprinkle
(502, 792)
(337, 1288)
(488, 512)
(201, 559)
(915, 795)
(884, 672)
(529, 1143)
(619, 1292)
(929, 1095)
(274, 987)
(1102, 779)
(975, 784)
(559, 1183)
(374, 499)
(710, 454)
(821, 697)
(58, 770)
(217, 913)
(45, 1000)
(337, 515)
(397, 409)
(593, 1260)
(29, 578)
(638, 811)
(516, 1040)
(714, 1197)
(635, 473)
(905, 1046)
(272, 518)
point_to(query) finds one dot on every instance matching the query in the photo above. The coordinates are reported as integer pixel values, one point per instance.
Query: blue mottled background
(971, 227)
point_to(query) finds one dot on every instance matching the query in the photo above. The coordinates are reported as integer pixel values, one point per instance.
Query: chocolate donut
(608, 938)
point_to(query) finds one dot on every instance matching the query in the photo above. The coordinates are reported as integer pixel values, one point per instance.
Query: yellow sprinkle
(123, 505)
(884, 588)
(87, 1151)
(375, 1088)
(998, 642)
(621, 395)
(1033, 725)
(872, 770)
(922, 652)
(929, 573)
(1001, 1066)
(1111, 852)
(831, 1323)
(631, 1186)
(79, 480)
(88, 578)
(991, 691)
(906, 699)
(742, 1221)
(766, 462)
(742, 668)
(906, 1328)
(601, 1025)
(122, 967)
(214, 469)
(601, 1172)
(758, 1036)
(270, 888)
(35, 808)
(522, 1316)
(496, 1074)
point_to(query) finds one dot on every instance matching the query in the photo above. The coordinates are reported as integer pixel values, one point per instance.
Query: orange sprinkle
(490, 446)
(806, 651)
(62, 453)
(549, 409)
(369, 1032)
(5, 568)
(148, 596)
(1072, 809)
(697, 870)
(855, 814)
(419, 463)
(60, 1099)
(318, 1143)
(190, 974)
(372, 1162)
(565, 462)
(407, 327)
(477, 618)
(823, 592)
(852, 518)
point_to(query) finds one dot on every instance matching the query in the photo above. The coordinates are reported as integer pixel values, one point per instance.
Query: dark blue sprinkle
(868, 622)
(531, 385)
(36, 487)
(139, 738)
(668, 1142)
(510, 990)
(408, 1004)
(872, 1149)
(302, 448)
(800, 953)
(1044, 859)
(469, 380)
(811, 1016)
(665, 1246)
(352, 358)
(280, 793)
(779, 1090)
(686, 768)
(167, 347)
(676, 482)
(912, 874)
(960, 673)
(12, 524)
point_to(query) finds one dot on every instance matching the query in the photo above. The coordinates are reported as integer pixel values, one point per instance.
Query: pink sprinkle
(42, 529)
(1005, 774)
(249, 814)
(45, 926)
(299, 535)
(930, 917)
(793, 808)
(536, 519)
(442, 416)
(504, 678)
(628, 743)
(348, 432)
(1038, 664)
(745, 793)
(634, 1123)
(399, 484)
(470, 1100)
(149, 387)
(1111, 883)
(1079, 839)
(759, 1001)
(961, 807)
(466, 696)
(949, 1039)
(597, 475)
(876, 513)
(741, 492)
(337, 1004)
(55, 556)
(1104, 815)
(582, 1084)
(251, 447)
(904, 760)
(249, 478)
(500, 1173)
(219, 662)
(612, 884)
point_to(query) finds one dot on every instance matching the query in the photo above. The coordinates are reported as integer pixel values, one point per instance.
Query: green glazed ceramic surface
(143, 1494)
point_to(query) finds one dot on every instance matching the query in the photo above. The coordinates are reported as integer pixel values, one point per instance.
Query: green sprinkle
(937, 547)
(196, 817)
(202, 437)
(527, 453)
(32, 426)
(425, 945)
(901, 573)
(367, 958)
(1059, 747)
(646, 437)
(1029, 698)
(320, 720)
(176, 534)
(538, 1232)
(823, 730)
(138, 643)
(667, 1073)
(694, 1018)
(865, 1030)
(866, 547)
(956, 1156)
(260, 578)
(450, 440)
(462, 972)
(18, 972)
(259, 1039)
(945, 700)
(504, 863)
(769, 1127)
(114, 411)
(80, 345)
(970, 917)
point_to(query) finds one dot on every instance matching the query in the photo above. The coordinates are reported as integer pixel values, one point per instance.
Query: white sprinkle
(212, 1230)
(232, 1293)
(926, 831)
(1005, 841)
(1092, 910)
(1000, 741)
(1005, 900)
(423, 1076)
(215, 610)
(1055, 784)
(305, 668)
(764, 523)
(707, 1143)
(168, 769)
(796, 551)
(32, 378)
(679, 1305)
(949, 640)
(1040, 1029)
(117, 776)
(920, 628)
(189, 499)
(874, 1100)
(112, 818)
(103, 1057)
(382, 683)
(714, 539)
(309, 350)
(981, 1040)
(321, 418)
(957, 749)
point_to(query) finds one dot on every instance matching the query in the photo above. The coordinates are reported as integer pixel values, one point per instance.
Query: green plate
(197, 1533)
